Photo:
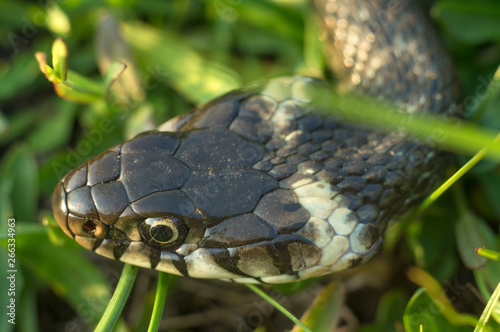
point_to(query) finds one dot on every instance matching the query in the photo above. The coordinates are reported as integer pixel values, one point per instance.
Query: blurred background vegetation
(180, 54)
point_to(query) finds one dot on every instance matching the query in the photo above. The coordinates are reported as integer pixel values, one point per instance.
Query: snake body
(257, 186)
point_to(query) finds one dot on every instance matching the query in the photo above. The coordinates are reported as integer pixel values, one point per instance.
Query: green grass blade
(448, 134)
(117, 302)
(324, 312)
(493, 91)
(161, 295)
(422, 314)
(398, 228)
(487, 253)
(435, 291)
(490, 306)
(278, 306)
(454, 178)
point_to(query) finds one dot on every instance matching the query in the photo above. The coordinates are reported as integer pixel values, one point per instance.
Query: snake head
(128, 197)
(218, 201)
(176, 202)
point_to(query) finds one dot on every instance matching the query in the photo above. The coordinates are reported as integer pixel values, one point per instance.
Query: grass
(180, 54)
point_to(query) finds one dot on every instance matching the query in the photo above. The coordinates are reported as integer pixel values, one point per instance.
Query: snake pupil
(89, 226)
(162, 233)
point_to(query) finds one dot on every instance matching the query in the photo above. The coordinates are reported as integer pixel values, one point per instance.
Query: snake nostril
(89, 226)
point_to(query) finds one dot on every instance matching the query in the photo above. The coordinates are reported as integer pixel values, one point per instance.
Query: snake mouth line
(207, 263)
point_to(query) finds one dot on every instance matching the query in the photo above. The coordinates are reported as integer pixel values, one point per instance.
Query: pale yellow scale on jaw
(279, 279)
(363, 238)
(257, 263)
(337, 247)
(106, 249)
(201, 264)
(138, 254)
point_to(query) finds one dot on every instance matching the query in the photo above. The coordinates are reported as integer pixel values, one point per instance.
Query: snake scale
(257, 186)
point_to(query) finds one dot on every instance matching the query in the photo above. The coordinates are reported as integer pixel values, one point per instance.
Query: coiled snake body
(258, 187)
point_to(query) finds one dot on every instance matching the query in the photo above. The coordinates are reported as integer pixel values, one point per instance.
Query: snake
(258, 185)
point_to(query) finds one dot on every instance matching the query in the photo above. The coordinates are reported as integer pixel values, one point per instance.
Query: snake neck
(386, 49)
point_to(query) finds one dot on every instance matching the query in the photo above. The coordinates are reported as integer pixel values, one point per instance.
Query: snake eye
(163, 232)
